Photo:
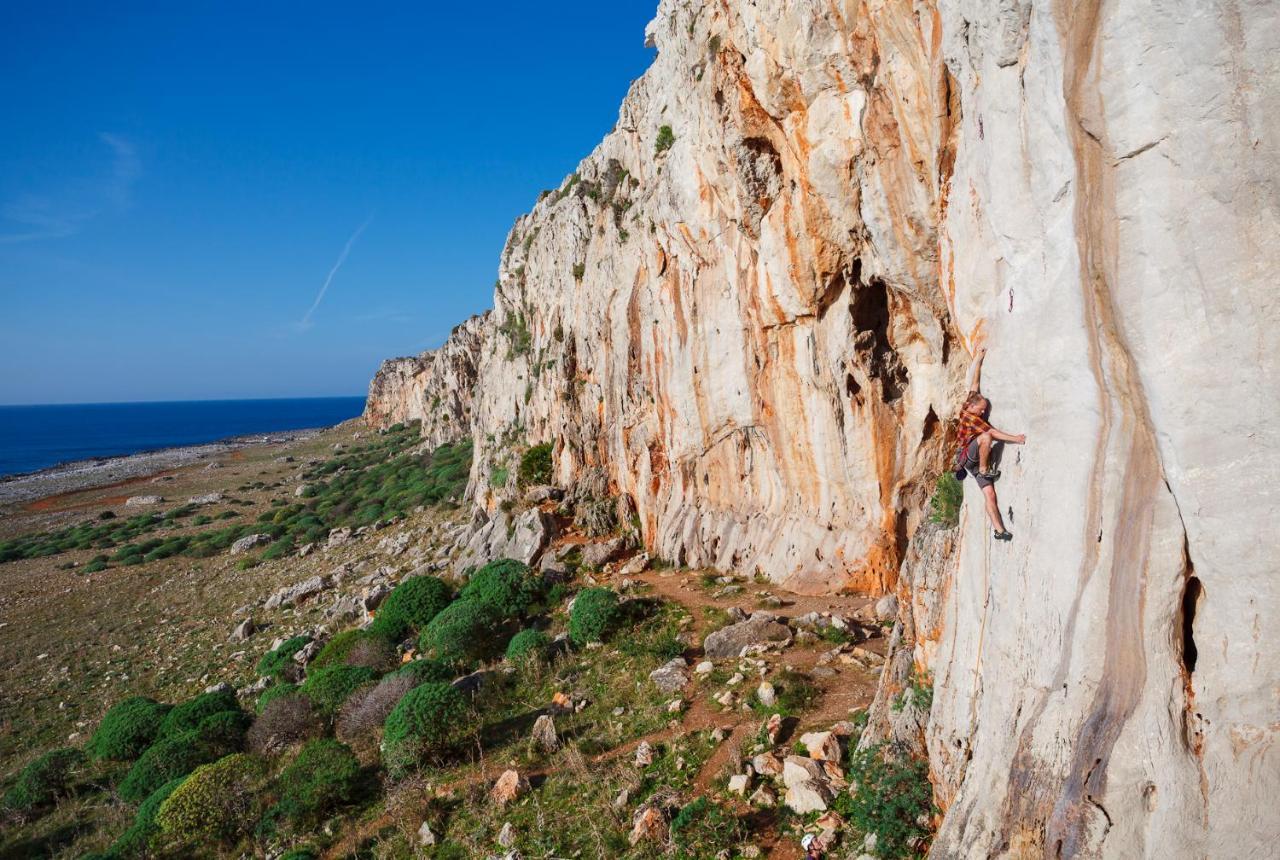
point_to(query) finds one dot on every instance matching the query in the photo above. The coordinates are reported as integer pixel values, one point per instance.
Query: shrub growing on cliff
(461, 635)
(217, 735)
(945, 504)
(891, 795)
(288, 719)
(324, 776)
(424, 723)
(410, 607)
(44, 780)
(594, 616)
(215, 803)
(506, 586)
(666, 137)
(329, 688)
(127, 729)
(535, 465)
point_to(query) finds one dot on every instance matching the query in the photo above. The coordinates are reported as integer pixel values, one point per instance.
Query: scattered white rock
(739, 783)
(249, 542)
(544, 733)
(644, 754)
(135, 501)
(671, 676)
(243, 631)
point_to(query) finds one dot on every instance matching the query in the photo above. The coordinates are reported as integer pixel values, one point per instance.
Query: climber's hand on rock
(1020, 439)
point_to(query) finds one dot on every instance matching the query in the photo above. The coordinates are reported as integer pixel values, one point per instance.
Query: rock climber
(975, 437)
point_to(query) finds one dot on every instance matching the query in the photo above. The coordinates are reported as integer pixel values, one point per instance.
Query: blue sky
(178, 181)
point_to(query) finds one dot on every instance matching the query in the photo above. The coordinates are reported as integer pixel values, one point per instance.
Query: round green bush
(335, 651)
(280, 661)
(423, 671)
(324, 776)
(127, 729)
(594, 616)
(461, 635)
(215, 803)
(506, 586)
(527, 643)
(274, 692)
(225, 729)
(329, 688)
(172, 757)
(136, 841)
(44, 780)
(187, 716)
(301, 854)
(410, 607)
(424, 722)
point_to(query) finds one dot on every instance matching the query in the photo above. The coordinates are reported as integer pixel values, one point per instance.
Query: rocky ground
(728, 689)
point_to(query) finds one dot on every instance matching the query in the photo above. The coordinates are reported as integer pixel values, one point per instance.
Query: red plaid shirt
(969, 426)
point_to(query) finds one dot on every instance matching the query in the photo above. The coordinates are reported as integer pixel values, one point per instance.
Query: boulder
(532, 532)
(426, 836)
(767, 695)
(635, 565)
(798, 768)
(759, 629)
(647, 824)
(764, 796)
(767, 764)
(206, 499)
(887, 608)
(136, 501)
(739, 783)
(507, 835)
(508, 787)
(597, 554)
(808, 796)
(644, 754)
(299, 592)
(249, 542)
(671, 676)
(822, 746)
(337, 537)
(544, 733)
(242, 631)
(540, 493)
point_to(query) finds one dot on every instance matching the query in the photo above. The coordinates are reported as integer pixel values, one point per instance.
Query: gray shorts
(971, 465)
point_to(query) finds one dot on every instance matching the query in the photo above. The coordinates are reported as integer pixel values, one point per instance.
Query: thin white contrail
(342, 258)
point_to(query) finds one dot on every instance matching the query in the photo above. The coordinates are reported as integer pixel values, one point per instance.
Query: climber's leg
(993, 509)
(984, 453)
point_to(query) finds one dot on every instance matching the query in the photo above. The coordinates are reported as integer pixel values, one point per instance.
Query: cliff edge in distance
(744, 322)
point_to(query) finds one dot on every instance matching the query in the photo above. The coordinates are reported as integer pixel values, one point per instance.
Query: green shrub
(506, 586)
(324, 776)
(225, 729)
(189, 714)
(528, 643)
(280, 661)
(329, 688)
(666, 137)
(535, 465)
(137, 840)
(274, 692)
(594, 616)
(127, 729)
(462, 635)
(44, 780)
(890, 794)
(410, 607)
(215, 803)
(301, 854)
(423, 723)
(335, 651)
(423, 671)
(578, 270)
(217, 735)
(947, 497)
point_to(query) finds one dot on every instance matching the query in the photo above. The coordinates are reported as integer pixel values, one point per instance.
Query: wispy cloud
(305, 322)
(61, 212)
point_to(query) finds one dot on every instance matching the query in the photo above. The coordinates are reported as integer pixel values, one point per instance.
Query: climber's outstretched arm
(1001, 436)
(975, 371)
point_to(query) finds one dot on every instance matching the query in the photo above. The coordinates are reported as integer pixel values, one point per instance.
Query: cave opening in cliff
(869, 311)
(1191, 597)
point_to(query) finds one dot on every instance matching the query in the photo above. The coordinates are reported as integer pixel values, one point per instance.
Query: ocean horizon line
(188, 400)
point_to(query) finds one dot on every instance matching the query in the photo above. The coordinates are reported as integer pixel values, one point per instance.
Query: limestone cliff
(747, 315)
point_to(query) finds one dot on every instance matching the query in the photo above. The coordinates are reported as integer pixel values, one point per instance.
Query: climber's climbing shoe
(991, 474)
(1004, 535)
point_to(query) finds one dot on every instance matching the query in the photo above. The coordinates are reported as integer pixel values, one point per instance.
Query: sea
(37, 437)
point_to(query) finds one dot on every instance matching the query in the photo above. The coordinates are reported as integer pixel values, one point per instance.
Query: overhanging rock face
(753, 329)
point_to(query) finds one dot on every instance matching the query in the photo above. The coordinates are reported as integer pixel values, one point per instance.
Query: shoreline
(94, 473)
